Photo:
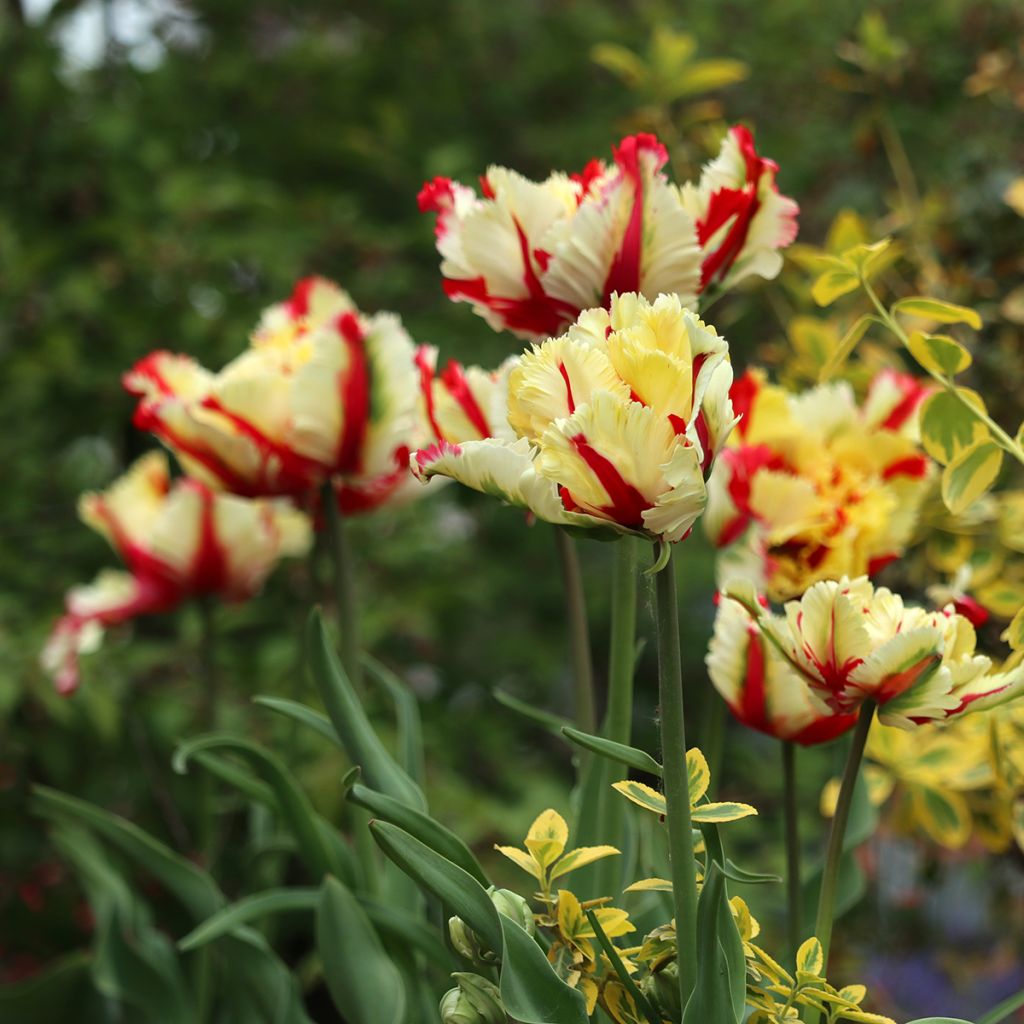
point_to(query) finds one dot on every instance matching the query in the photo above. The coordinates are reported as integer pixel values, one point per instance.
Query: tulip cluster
(614, 424)
(531, 256)
(178, 540)
(814, 486)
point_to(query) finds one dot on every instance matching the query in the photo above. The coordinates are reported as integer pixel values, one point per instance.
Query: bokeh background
(170, 168)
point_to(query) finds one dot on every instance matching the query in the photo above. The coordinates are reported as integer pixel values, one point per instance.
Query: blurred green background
(171, 168)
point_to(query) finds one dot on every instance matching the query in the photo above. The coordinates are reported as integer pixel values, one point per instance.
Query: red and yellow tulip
(323, 392)
(178, 540)
(615, 424)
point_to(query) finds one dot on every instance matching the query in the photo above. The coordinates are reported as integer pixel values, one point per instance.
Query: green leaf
(705, 75)
(847, 344)
(46, 996)
(302, 820)
(531, 991)
(353, 727)
(622, 63)
(402, 929)
(424, 828)
(620, 752)
(721, 812)
(407, 714)
(735, 873)
(365, 985)
(946, 817)
(810, 958)
(606, 944)
(948, 426)
(970, 475)
(250, 908)
(315, 720)
(935, 309)
(643, 796)
(196, 890)
(712, 998)
(996, 1015)
(939, 354)
(553, 723)
(833, 284)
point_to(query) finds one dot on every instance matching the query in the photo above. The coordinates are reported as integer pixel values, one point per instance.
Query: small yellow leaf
(863, 257)
(643, 796)
(613, 921)
(937, 310)
(571, 921)
(520, 859)
(948, 426)
(579, 857)
(832, 284)
(547, 837)
(847, 344)
(853, 993)
(939, 354)
(650, 885)
(846, 231)
(1014, 195)
(698, 774)
(809, 958)
(943, 814)
(970, 475)
(721, 812)
(1014, 632)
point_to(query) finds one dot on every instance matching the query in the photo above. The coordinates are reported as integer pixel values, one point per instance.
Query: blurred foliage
(167, 192)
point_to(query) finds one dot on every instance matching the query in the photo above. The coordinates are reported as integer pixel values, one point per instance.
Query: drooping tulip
(531, 256)
(850, 642)
(323, 392)
(616, 423)
(760, 688)
(177, 540)
(813, 486)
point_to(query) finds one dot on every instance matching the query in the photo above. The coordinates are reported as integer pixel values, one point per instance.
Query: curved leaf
(249, 908)
(407, 715)
(310, 717)
(620, 752)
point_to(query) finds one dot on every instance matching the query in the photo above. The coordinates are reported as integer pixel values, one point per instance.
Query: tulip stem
(676, 781)
(618, 718)
(793, 890)
(834, 853)
(579, 633)
(344, 585)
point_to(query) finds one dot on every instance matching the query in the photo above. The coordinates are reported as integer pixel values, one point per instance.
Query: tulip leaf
(315, 720)
(424, 828)
(620, 752)
(407, 715)
(735, 873)
(364, 983)
(47, 995)
(546, 719)
(250, 908)
(356, 733)
(530, 989)
(320, 855)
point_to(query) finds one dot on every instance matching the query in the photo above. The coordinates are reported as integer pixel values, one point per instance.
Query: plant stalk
(676, 782)
(793, 890)
(834, 853)
(344, 585)
(579, 632)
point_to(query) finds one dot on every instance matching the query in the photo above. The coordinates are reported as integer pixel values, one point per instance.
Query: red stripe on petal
(914, 466)
(570, 402)
(627, 504)
(453, 377)
(425, 360)
(354, 389)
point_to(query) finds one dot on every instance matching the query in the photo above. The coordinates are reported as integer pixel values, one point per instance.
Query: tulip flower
(616, 423)
(850, 643)
(322, 393)
(759, 687)
(814, 487)
(531, 256)
(178, 540)
(742, 220)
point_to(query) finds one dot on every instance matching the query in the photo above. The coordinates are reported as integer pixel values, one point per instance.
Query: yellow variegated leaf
(832, 284)
(521, 859)
(614, 921)
(572, 922)
(863, 1017)
(970, 475)
(864, 256)
(650, 885)
(698, 774)
(939, 354)
(705, 75)
(619, 1004)
(879, 782)
(719, 812)
(547, 837)
(1014, 632)
(948, 426)
(623, 63)
(590, 991)
(810, 959)
(1017, 822)
(846, 231)
(937, 310)
(746, 923)
(847, 344)
(943, 814)
(947, 552)
(1002, 598)
(853, 994)
(643, 796)
(579, 857)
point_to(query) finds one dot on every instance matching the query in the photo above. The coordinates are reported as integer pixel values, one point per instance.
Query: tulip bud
(662, 988)
(513, 906)
(475, 1001)
(467, 943)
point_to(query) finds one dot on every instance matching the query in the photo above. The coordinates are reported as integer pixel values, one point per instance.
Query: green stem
(344, 585)
(712, 735)
(206, 830)
(1004, 1009)
(618, 719)
(834, 853)
(793, 890)
(676, 782)
(1007, 443)
(579, 633)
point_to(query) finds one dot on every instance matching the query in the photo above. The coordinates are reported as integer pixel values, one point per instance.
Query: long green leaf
(249, 908)
(405, 930)
(365, 985)
(320, 857)
(45, 997)
(618, 752)
(546, 719)
(407, 714)
(310, 717)
(422, 827)
(357, 735)
(530, 989)
(712, 997)
(641, 1001)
